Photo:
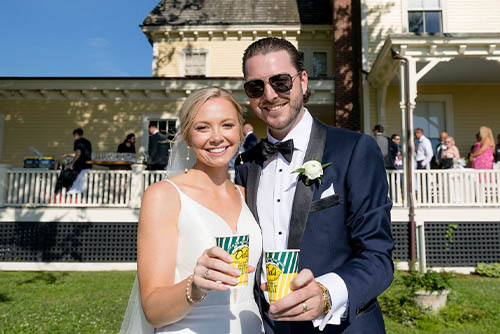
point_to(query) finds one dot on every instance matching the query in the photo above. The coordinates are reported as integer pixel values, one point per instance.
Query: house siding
(48, 126)
(224, 57)
(382, 18)
(473, 16)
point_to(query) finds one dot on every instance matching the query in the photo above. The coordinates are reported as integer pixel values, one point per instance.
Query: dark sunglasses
(281, 83)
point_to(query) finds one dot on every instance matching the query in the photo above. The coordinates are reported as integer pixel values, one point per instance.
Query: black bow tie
(268, 149)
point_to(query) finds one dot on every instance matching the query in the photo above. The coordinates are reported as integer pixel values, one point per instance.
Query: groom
(340, 221)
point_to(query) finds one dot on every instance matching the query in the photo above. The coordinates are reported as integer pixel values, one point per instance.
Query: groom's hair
(274, 44)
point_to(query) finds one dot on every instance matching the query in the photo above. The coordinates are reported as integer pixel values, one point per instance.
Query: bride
(185, 282)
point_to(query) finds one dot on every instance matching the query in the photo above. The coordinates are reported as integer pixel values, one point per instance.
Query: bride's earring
(187, 158)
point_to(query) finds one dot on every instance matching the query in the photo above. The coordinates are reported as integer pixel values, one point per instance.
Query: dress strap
(175, 186)
(241, 195)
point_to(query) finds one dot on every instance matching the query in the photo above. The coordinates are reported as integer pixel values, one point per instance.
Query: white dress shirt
(274, 207)
(424, 151)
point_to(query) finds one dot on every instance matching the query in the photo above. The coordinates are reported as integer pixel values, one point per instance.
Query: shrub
(488, 269)
(430, 281)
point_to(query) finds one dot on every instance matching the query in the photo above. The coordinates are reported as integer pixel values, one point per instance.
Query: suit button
(280, 233)
(278, 200)
(280, 170)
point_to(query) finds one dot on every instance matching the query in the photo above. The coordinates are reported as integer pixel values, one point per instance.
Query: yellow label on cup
(281, 269)
(238, 247)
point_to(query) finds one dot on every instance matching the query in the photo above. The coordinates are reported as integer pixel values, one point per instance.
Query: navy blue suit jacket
(348, 233)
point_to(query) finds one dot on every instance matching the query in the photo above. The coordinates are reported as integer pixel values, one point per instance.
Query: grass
(63, 302)
(94, 302)
(473, 307)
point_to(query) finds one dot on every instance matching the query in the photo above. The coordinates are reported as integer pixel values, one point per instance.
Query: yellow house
(192, 47)
(453, 53)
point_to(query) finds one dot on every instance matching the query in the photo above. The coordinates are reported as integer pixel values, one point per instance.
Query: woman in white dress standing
(185, 281)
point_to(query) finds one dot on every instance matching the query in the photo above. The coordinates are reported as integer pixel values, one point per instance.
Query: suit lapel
(304, 194)
(252, 185)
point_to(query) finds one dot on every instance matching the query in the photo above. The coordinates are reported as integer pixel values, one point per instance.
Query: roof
(230, 12)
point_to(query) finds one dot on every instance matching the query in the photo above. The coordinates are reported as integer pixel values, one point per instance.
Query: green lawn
(94, 302)
(60, 302)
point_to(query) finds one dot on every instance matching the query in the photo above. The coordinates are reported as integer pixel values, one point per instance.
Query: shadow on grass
(49, 278)
(4, 298)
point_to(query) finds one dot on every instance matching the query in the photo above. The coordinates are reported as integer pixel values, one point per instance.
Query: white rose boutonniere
(311, 170)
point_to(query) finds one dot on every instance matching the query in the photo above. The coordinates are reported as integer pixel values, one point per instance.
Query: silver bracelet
(188, 295)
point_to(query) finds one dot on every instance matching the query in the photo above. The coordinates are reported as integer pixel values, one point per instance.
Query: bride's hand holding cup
(214, 271)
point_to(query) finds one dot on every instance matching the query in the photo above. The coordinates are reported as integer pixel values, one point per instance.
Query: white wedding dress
(233, 311)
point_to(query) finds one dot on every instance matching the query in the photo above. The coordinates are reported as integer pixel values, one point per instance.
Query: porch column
(137, 186)
(3, 184)
(381, 103)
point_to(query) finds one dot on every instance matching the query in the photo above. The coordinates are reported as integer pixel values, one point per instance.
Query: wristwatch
(327, 299)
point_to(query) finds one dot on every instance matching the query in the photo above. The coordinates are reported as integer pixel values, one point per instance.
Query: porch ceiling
(463, 58)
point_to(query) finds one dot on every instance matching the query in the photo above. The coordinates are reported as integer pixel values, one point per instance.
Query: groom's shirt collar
(300, 133)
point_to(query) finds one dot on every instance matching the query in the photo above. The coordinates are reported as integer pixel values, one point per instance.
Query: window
(431, 117)
(166, 126)
(425, 16)
(319, 64)
(195, 62)
(315, 62)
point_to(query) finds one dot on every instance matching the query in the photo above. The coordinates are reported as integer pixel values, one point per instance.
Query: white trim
(2, 127)
(448, 108)
(80, 215)
(154, 66)
(182, 63)
(68, 266)
(459, 270)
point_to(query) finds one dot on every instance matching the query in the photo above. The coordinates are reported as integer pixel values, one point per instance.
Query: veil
(134, 322)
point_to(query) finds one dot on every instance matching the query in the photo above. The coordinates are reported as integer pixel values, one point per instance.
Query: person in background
(128, 145)
(437, 163)
(497, 150)
(82, 148)
(450, 155)
(157, 149)
(424, 153)
(482, 156)
(250, 138)
(386, 146)
(397, 152)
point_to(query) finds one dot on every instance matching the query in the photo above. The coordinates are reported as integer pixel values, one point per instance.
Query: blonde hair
(196, 99)
(451, 139)
(485, 132)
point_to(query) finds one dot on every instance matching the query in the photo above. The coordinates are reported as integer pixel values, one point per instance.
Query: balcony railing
(433, 188)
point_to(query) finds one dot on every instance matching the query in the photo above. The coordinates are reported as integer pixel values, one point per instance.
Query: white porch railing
(36, 188)
(450, 187)
(433, 188)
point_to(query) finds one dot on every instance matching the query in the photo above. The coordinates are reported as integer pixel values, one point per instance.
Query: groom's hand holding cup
(304, 303)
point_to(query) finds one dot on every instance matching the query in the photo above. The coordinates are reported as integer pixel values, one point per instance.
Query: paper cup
(281, 269)
(238, 246)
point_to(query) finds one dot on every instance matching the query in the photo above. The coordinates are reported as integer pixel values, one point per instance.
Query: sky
(75, 38)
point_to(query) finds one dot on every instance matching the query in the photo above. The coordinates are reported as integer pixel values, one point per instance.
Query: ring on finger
(207, 273)
(304, 307)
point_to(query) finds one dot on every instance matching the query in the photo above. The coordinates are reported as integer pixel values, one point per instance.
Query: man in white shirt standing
(340, 220)
(424, 152)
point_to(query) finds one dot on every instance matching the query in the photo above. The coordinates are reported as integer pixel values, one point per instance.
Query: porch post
(381, 103)
(137, 186)
(3, 184)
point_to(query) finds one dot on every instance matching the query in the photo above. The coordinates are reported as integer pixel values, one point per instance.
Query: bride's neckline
(211, 211)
